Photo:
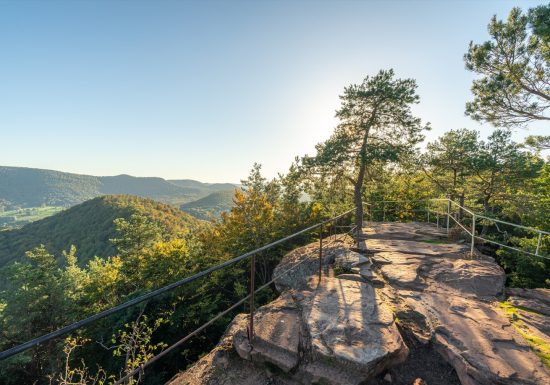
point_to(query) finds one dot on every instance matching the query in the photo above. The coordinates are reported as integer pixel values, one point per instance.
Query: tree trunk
(460, 210)
(487, 209)
(359, 202)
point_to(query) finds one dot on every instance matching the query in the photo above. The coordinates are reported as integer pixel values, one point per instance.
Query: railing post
(473, 235)
(538, 244)
(252, 289)
(448, 214)
(320, 252)
(428, 210)
(437, 219)
(383, 211)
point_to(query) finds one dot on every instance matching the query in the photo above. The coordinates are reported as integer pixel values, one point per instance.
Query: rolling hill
(211, 205)
(89, 226)
(30, 187)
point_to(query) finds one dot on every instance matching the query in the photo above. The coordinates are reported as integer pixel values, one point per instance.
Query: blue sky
(202, 90)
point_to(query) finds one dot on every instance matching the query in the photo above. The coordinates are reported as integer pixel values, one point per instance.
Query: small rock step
(277, 335)
(379, 260)
(364, 271)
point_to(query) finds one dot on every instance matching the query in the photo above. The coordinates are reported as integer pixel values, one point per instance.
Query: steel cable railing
(250, 297)
(449, 215)
(428, 211)
(218, 316)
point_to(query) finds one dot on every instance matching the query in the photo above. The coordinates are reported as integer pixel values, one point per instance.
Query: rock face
(451, 301)
(223, 366)
(342, 330)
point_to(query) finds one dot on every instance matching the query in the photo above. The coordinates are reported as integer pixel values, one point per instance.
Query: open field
(17, 218)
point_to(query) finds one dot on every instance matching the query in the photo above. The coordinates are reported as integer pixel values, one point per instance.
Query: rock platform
(413, 290)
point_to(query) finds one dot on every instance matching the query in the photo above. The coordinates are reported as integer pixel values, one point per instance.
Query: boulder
(346, 259)
(351, 332)
(341, 330)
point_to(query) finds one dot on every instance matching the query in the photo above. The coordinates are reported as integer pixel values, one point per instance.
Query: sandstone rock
(404, 270)
(351, 277)
(347, 259)
(478, 277)
(342, 331)
(297, 267)
(277, 335)
(479, 341)
(451, 309)
(222, 366)
(406, 231)
(537, 300)
(352, 334)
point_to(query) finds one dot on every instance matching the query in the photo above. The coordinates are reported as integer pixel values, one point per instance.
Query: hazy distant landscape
(28, 194)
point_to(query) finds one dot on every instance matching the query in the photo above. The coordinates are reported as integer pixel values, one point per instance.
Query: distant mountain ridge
(32, 187)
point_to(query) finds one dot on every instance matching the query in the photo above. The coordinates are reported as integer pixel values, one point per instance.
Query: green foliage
(376, 126)
(448, 161)
(263, 212)
(515, 70)
(538, 142)
(211, 206)
(89, 226)
(134, 343)
(39, 298)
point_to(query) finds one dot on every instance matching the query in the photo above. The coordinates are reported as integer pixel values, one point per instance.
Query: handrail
(513, 224)
(475, 216)
(79, 324)
(533, 229)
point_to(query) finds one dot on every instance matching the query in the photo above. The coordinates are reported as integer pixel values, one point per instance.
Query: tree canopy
(514, 68)
(376, 125)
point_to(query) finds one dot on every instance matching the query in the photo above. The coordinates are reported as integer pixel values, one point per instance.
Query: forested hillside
(29, 187)
(211, 206)
(89, 226)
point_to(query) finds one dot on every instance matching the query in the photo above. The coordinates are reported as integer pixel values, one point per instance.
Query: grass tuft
(539, 347)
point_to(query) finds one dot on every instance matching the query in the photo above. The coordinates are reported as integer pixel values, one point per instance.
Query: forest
(22, 187)
(377, 152)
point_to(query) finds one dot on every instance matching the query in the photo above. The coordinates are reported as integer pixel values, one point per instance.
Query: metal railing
(427, 211)
(332, 235)
(450, 216)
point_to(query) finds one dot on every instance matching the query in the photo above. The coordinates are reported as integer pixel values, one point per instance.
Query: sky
(202, 90)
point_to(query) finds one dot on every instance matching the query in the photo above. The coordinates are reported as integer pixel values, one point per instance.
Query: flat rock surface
(537, 300)
(351, 328)
(347, 259)
(299, 265)
(452, 301)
